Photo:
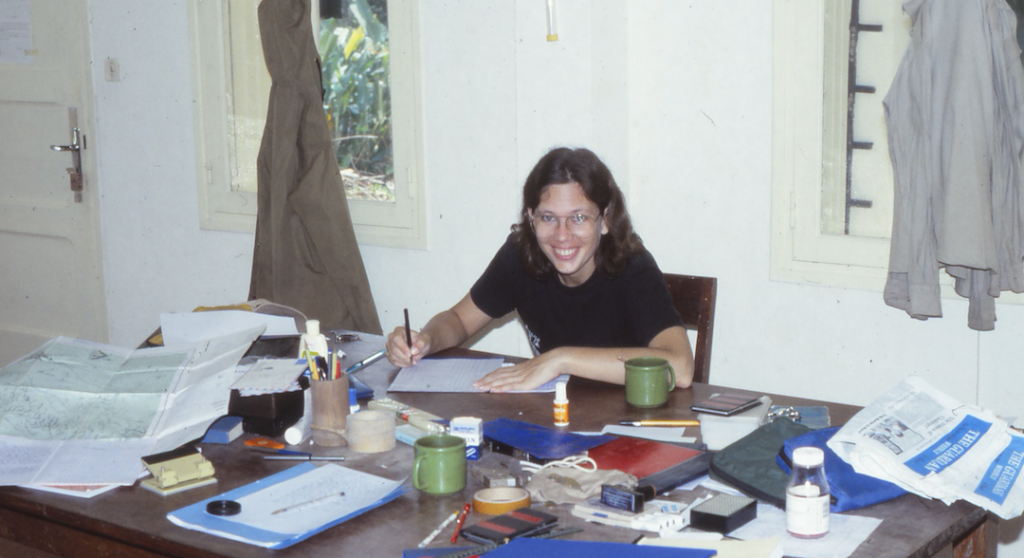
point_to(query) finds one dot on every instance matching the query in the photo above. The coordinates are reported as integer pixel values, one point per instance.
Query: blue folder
(195, 516)
(538, 443)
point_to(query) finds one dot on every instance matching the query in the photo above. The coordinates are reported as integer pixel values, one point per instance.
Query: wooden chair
(694, 299)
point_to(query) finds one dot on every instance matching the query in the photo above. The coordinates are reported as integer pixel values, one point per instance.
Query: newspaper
(937, 447)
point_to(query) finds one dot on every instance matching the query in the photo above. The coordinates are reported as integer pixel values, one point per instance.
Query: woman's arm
(606, 365)
(447, 329)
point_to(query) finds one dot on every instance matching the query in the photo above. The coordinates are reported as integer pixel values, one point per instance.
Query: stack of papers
(291, 506)
(270, 375)
(937, 447)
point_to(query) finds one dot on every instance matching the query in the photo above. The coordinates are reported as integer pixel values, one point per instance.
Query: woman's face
(568, 228)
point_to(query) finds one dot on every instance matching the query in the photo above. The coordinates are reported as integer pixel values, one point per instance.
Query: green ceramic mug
(648, 381)
(440, 465)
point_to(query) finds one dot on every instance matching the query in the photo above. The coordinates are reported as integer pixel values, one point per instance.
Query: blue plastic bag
(849, 489)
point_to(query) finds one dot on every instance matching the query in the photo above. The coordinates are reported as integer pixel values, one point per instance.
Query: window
(832, 190)
(232, 87)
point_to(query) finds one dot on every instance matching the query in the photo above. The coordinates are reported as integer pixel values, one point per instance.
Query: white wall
(156, 259)
(675, 96)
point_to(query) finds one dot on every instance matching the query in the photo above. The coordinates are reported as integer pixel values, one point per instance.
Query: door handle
(74, 143)
(75, 148)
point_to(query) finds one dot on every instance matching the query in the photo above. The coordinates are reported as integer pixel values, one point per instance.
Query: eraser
(224, 431)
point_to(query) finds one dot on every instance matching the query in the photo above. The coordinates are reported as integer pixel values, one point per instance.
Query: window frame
(800, 250)
(224, 207)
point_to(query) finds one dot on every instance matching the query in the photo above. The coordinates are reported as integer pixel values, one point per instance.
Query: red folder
(639, 457)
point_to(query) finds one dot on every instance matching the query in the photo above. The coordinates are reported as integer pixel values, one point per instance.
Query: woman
(588, 293)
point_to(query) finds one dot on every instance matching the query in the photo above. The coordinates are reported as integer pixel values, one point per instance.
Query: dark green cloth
(749, 464)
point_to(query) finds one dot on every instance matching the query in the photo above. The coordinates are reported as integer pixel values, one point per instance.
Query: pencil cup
(440, 465)
(648, 381)
(330, 409)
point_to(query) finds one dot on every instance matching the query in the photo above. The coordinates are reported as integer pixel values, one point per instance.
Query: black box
(269, 414)
(723, 513)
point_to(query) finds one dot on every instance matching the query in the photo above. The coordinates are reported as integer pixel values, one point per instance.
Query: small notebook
(726, 404)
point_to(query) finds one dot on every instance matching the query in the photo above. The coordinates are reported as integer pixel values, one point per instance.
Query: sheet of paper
(189, 327)
(454, 375)
(845, 534)
(757, 548)
(656, 433)
(15, 31)
(76, 490)
(316, 497)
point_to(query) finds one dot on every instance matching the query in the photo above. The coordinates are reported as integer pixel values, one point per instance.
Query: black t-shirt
(624, 311)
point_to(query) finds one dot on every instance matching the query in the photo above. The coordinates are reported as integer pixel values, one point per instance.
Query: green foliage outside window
(357, 98)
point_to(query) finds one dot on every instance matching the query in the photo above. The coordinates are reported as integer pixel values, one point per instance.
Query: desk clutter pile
(82, 419)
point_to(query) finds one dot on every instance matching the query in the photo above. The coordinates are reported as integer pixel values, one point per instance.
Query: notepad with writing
(640, 457)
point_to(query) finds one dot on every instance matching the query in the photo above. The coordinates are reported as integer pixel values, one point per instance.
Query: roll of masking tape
(501, 499)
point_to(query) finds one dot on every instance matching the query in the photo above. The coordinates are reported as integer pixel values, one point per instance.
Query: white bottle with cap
(807, 495)
(561, 407)
(313, 343)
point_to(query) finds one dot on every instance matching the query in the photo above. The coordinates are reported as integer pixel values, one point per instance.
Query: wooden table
(131, 521)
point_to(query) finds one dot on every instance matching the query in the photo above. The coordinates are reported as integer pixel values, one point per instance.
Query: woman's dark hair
(580, 166)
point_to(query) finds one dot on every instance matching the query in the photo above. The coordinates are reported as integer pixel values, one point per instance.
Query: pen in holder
(330, 409)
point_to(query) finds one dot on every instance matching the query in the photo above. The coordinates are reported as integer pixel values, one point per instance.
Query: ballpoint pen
(458, 524)
(365, 362)
(274, 451)
(306, 457)
(661, 422)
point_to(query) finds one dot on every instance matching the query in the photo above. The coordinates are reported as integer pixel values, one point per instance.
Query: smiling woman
(588, 293)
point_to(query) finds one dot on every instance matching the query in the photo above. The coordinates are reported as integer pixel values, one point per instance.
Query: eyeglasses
(579, 224)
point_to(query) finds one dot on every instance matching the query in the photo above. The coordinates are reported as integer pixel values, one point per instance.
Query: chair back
(694, 299)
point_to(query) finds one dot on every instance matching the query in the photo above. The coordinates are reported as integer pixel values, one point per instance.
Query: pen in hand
(408, 332)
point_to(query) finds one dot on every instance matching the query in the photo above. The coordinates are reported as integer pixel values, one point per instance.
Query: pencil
(437, 531)
(301, 504)
(660, 422)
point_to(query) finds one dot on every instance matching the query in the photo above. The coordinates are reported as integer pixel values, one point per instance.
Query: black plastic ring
(223, 507)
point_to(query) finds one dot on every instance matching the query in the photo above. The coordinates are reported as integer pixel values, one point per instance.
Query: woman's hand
(529, 374)
(400, 353)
